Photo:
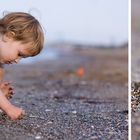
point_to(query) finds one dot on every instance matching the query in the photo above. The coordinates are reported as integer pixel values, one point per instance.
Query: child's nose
(17, 60)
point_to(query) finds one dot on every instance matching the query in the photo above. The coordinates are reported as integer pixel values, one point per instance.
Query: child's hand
(7, 89)
(15, 113)
(12, 111)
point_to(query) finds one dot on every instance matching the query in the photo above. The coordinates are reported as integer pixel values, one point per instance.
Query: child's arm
(1, 72)
(5, 87)
(12, 111)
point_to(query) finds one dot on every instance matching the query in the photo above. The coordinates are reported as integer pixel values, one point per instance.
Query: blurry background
(88, 22)
(135, 68)
(135, 38)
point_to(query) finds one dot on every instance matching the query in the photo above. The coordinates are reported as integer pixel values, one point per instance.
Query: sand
(80, 96)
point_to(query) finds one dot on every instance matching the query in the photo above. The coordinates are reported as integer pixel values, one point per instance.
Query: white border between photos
(129, 69)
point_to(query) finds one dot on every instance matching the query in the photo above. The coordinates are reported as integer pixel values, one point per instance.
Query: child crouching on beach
(21, 36)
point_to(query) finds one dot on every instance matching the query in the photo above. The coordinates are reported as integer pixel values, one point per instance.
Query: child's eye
(22, 55)
(19, 54)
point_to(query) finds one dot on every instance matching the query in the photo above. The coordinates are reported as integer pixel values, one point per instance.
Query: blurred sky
(84, 21)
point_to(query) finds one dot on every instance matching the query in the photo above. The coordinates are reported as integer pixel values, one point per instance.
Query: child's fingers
(11, 92)
(11, 88)
(6, 83)
(22, 114)
(5, 86)
(9, 97)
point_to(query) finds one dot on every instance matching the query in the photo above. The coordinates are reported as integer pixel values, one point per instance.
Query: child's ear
(8, 36)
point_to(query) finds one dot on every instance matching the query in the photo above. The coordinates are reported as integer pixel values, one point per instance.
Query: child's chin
(8, 63)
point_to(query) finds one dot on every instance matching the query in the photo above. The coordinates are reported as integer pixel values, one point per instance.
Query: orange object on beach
(80, 71)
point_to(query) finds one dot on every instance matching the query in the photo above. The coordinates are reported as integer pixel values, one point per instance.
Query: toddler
(21, 36)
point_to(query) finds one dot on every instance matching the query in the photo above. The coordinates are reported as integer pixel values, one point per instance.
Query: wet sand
(64, 104)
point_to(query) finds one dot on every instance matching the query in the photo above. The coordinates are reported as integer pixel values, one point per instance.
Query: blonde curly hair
(25, 28)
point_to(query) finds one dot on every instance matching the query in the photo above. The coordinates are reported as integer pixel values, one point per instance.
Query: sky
(82, 21)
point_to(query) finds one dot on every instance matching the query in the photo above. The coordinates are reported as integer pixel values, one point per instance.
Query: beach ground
(82, 95)
(135, 71)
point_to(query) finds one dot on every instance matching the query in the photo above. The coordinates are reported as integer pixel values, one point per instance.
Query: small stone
(47, 110)
(37, 125)
(38, 137)
(84, 134)
(50, 122)
(93, 138)
(92, 126)
(74, 112)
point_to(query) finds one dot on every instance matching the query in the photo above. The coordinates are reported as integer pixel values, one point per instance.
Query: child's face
(12, 51)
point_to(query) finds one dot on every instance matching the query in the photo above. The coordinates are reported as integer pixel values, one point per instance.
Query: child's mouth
(8, 62)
